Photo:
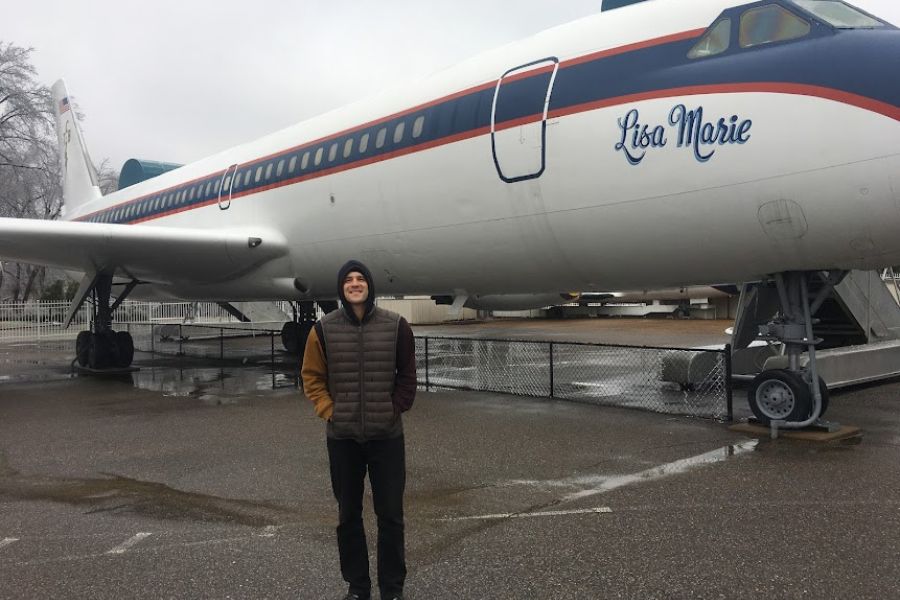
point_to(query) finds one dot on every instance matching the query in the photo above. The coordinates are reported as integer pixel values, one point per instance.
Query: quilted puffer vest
(362, 364)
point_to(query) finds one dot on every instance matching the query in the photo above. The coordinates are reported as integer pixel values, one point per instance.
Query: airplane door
(519, 119)
(225, 187)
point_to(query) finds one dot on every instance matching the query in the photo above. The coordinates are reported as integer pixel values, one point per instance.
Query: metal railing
(45, 320)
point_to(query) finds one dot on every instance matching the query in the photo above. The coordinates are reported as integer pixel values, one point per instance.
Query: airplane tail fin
(80, 181)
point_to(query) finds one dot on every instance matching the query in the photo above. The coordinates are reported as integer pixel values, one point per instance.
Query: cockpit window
(768, 24)
(837, 14)
(714, 42)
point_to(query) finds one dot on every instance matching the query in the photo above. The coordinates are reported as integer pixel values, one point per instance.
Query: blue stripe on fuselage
(840, 60)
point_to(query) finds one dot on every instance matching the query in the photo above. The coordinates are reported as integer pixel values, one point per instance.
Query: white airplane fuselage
(593, 156)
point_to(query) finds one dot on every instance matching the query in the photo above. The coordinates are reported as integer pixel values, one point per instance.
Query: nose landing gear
(795, 397)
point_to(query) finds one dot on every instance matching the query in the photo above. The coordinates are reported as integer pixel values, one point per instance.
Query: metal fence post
(427, 379)
(552, 390)
(152, 340)
(729, 400)
(180, 340)
(221, 344)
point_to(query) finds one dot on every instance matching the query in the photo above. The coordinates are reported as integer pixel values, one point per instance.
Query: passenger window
(379, 139)
(348, 147)
(292, 165)
(269, 172)
(258, 174)
(769, 24)
(398, 132)
(332, 152)
(364, 143)
(216, 186)
(318, 159)
(191, 194)
(178, 197)
(714, 42)
(209, 187)
(418, 125)
(305, 162)
(280, 169)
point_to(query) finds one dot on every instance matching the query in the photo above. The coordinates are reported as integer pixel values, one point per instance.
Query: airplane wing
(145, 253)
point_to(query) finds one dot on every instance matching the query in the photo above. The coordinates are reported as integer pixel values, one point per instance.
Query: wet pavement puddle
(592, 485)
(116, 494)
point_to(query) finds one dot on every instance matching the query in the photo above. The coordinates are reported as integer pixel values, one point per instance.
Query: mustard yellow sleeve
(315, 377)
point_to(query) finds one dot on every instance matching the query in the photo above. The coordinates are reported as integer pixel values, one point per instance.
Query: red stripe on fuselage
(666, 39)
(863, 102)
(402, 113)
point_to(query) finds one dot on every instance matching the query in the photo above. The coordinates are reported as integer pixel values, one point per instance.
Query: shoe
(352, 596)
(394, 597)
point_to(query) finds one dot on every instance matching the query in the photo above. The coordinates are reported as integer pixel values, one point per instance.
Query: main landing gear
(101, 348)
(795, 397)
(294, 333)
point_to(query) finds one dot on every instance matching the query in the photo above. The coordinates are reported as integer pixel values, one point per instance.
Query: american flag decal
(64, 105)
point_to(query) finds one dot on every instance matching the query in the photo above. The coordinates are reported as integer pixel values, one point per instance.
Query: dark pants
(386, 463)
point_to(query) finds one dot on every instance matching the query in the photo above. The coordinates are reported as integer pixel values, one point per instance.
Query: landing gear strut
(795, 397)
(101, 347)
(294, 333)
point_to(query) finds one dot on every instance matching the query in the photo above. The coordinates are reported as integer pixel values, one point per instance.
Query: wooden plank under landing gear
(809, 435)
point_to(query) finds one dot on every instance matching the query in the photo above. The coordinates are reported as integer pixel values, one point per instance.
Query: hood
(355, 265)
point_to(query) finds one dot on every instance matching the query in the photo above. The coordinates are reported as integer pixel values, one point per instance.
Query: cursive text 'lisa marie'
(690, 129)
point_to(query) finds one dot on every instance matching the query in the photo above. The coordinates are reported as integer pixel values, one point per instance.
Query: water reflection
(214, 385)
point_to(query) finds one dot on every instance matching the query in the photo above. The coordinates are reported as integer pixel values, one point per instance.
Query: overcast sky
(176, 80)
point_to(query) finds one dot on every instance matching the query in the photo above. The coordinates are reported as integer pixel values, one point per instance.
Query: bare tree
(30, 172)
(29, 168)
(107, 177)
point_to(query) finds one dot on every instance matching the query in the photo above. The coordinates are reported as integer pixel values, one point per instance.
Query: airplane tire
(98, 352)
(780, 395)
(293, 337)
(125, 344)
(82, 347)
(290, 337)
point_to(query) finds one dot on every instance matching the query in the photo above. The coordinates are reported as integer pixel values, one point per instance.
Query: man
(359, 370)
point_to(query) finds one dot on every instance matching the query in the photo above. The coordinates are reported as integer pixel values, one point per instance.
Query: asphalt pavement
(193, 479)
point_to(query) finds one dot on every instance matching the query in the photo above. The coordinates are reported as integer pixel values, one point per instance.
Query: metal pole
(180, 340)
(427, 374)
(152, 341)
(729, 399)
(552, 390)
(221, 344)
(272, 350)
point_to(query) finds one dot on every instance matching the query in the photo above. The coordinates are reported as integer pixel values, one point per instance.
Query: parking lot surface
(192, 478)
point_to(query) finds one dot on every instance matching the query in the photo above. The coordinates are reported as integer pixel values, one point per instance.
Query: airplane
(660, 144)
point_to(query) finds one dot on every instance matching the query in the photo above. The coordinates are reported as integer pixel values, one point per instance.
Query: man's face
(356, 288)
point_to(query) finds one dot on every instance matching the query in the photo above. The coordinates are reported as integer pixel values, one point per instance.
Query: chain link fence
(680, 381)
(666, 380)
